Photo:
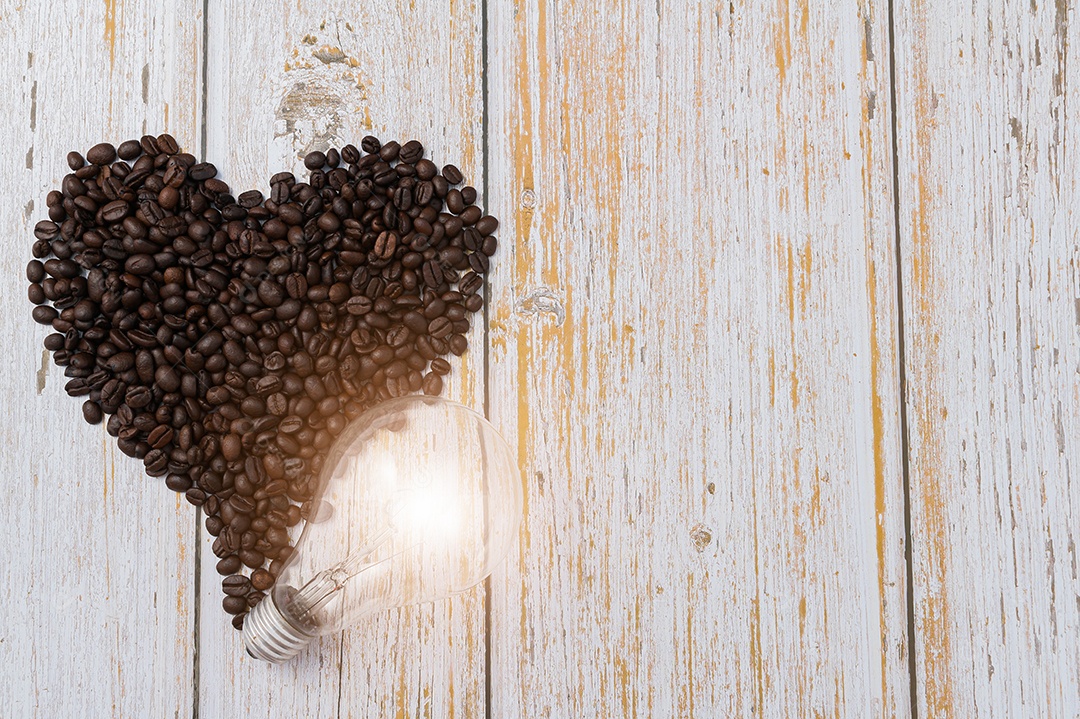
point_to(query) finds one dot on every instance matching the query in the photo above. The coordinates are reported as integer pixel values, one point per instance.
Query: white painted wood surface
(989, 194)
(97, 600)
(694, 343)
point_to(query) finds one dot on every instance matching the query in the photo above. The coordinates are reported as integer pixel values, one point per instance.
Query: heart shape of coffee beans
(230, 339)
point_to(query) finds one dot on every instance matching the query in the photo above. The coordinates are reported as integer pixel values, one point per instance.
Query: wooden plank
(284, 81)
(97, 583)
(988, 196)
(693, 343)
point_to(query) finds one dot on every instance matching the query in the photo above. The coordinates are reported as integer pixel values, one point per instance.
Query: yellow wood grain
(300, 77)
(97, 581)
(988, 192)
(693, 342)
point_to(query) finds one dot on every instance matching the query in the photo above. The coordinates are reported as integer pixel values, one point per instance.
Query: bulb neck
(269, 636)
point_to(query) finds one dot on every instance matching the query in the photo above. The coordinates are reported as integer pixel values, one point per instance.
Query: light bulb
(419, 499)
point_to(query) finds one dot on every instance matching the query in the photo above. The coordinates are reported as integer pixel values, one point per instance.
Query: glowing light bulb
(419, 499)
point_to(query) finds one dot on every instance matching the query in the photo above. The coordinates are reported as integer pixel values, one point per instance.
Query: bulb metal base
(269, 636)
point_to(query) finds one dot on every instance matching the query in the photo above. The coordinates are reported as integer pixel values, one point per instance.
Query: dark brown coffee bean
(487, 225)
(389, 151)
(440, 327)
(251, 558)
(433, 384)
(277, 404)
(166, 144)
(458, 344)
(228, 565)
(385, 245)
(262, 579)
(91, 412)
(358, 305)
(411, 152)
(129, 149)
(231, 447)
(101, 154)
(234, 605)
(454, 202)
(452, 174)
(236, 585)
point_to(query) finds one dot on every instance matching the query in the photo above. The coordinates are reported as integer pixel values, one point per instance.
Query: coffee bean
(45, 315)
(440, 327)
(251, 558)
(385, 245)
(433, 384)
(101, 154)
(452, 174)
(229, 565)
(167, 144)
(486, 225)
(458, 344)
(129, 149)
(262, 579)
(91, 412)
(234, 605)
(115, 211)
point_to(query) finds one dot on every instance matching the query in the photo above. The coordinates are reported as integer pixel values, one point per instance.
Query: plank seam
(905, 446)
(197, 584)
(487, 303)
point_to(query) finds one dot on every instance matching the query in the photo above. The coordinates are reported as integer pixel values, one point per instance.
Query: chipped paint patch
(328, 54)
(542, 300)
(43, 372)
(311, 113)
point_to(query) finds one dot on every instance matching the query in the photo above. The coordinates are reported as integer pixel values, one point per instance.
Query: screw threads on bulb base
(269, 636)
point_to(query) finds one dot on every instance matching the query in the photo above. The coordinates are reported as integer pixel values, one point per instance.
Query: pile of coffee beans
(229, 339)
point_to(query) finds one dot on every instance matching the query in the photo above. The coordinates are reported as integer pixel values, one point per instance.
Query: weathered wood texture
(988, 193)
(693, 345)
(281, 83)
(97, 580)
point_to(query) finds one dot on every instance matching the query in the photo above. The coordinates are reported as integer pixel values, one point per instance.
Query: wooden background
(785, 327)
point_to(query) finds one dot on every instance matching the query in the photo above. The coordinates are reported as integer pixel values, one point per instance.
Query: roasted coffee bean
(166, 144)
(229, 565)
(236, 585)
(487, 225)
(234, 605)
(433, 384)
(101, 154)
(91, 412)
(129, 149)
(452, 174)
(440, 327)
(251, 558)
(262, 579)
